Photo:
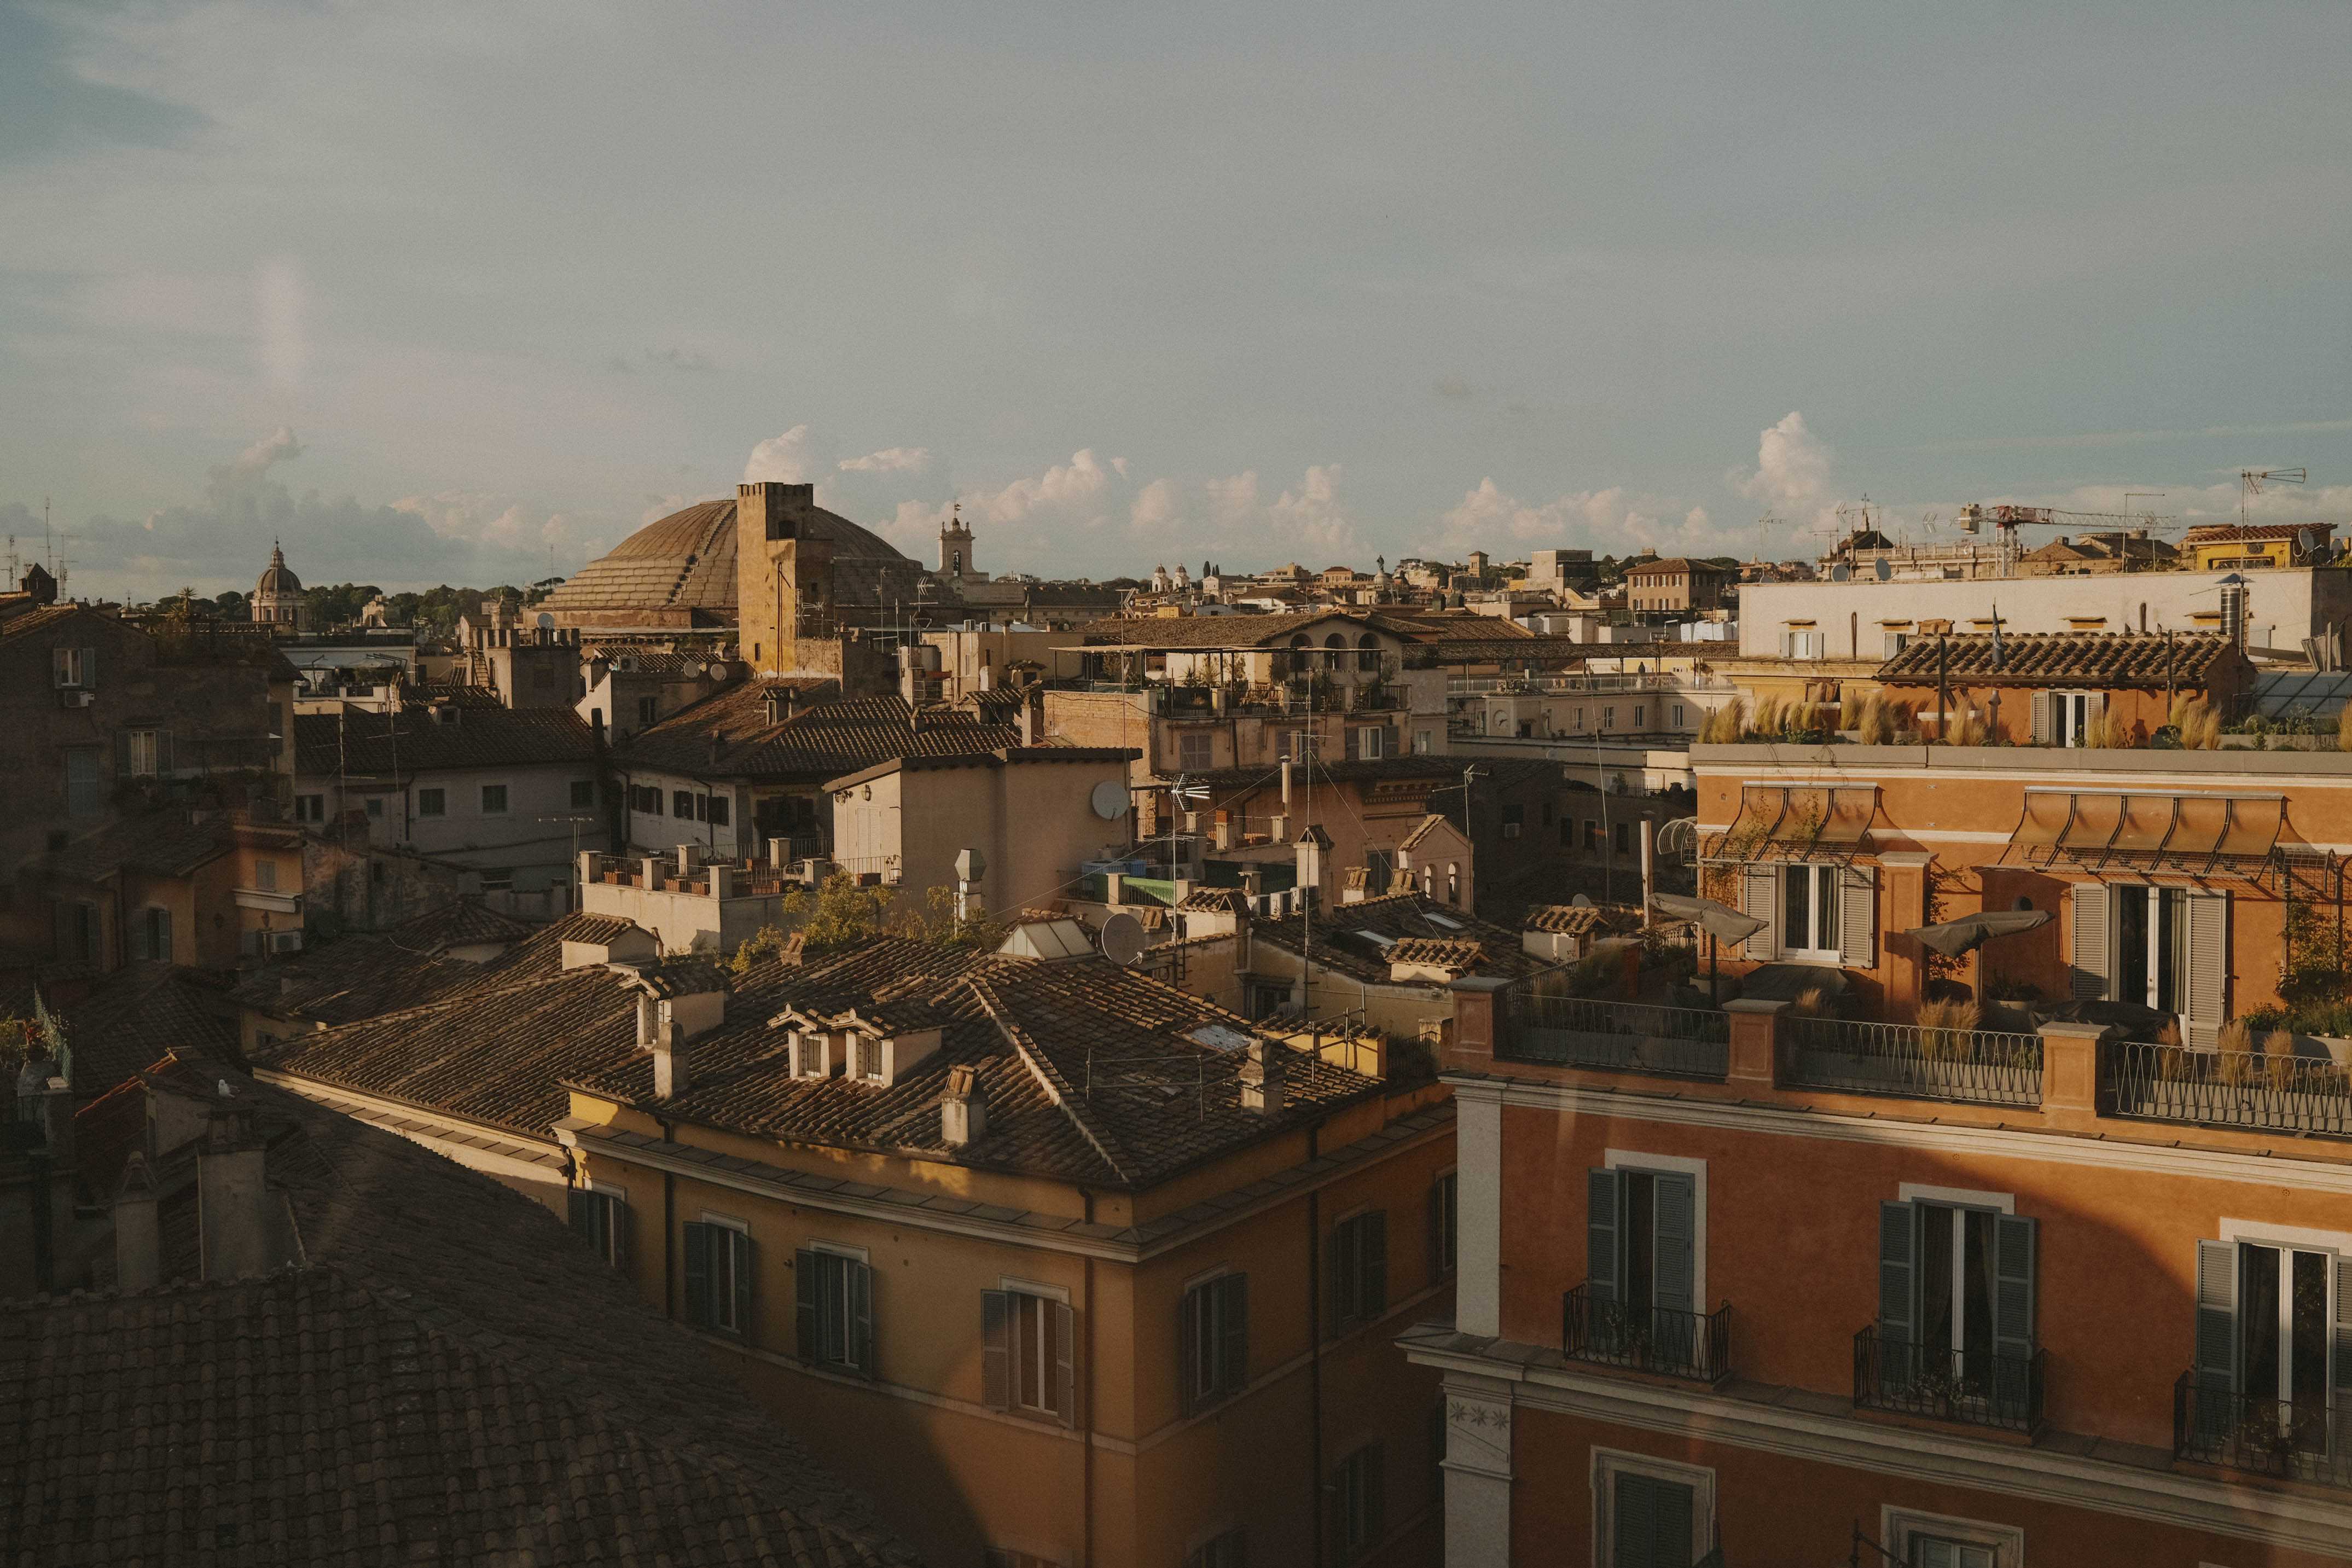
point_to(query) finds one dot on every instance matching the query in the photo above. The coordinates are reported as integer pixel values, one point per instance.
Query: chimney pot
(1263, 1074)
(963, 1108)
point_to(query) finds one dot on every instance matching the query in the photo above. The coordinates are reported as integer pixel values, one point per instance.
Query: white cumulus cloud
(888, 460)
(790, 458)
(1792, 467)
(277, 446)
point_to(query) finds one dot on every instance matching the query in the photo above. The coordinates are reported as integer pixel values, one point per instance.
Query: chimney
(1032, 716)
(963, 1108)
(1263, 1071)
(669, 1054)
(138, 1237)
(233, 1214)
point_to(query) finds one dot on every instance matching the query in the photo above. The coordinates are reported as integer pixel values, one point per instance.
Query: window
(869, 1059)
(1196, 751)
(1956, 1303)
(265, 876)
(84, 796)
(1931, 1541)
(376, 808)
(1620, 836)
(602, 1220)
(1896, 642)
(1809, 911)
(78, 929)
(2064, 718)
(1609, 718)
(702, 808)
(1641, 1267)
(1591, 837)
(1334, 650)
(142, 753)
(2151, 946)
(1454, 882)
(719, 1278)
(1678, 716)
(310, 809)
(646, 711)
(1359, 1270)
(1356, 1503)
(1514, 820)
(1379, 873)
(1652, 1521)
(1026, 1354)
(150, 933)
(74, 667)
(681, 804)
(1641, 714)
(1212, 1342)
(2267, 1311)
(1224, 1552)
(432, 803)
(1371, 743)
(1368, 654)
(1802, 645)
(1443, 1194)
(718, 811)
(493, 800)
(1420, 742)
(583, 793)
(836, 1309)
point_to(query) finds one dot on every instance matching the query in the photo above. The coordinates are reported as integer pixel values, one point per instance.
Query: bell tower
(955, 548)
(783, 567)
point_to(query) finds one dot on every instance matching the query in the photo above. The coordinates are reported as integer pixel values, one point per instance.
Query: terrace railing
(1656, 1339)
(1620, 1036)
(1976, 1388)
(2306, 1439)
(1978, 1067)
(2230, 1089)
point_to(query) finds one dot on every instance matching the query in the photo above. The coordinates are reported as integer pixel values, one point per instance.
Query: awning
(1955, 938)
(1798, 821)
(2152, 835)
(1719, 920)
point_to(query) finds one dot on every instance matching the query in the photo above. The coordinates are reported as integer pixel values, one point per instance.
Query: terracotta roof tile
(2105, 659)
(359, 741)
(1580, 920)
(728, 734)
(1344, 935)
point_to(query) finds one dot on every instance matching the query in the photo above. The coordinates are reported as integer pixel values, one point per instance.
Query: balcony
(2230, 1089)
(1973, 1388)
(1656, 1340)
(2303, 1439)
(1622, 1037)
(1974, 1067)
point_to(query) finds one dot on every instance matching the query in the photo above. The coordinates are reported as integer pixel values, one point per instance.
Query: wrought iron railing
(1654, 1339)
(2230, 1089)
(1620, 1036)
(1977, 1388)
(1978, 1066)
(2305, 1439)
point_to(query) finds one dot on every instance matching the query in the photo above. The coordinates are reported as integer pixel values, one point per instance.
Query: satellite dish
(1884, 568)
(1840, 573)
(1110, 801)
(1122, 940)
(546, 621)
(694, 670)
(1582, 902)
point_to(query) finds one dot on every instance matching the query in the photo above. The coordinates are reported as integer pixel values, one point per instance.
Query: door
(2285, 1323)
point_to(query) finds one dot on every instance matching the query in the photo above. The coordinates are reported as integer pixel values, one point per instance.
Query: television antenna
(2251, 480)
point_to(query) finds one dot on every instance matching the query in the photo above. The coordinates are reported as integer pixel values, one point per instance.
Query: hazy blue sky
(450, 292)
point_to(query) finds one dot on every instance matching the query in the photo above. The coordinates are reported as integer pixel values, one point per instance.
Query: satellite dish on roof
(1582, 902)
(546, 621)
(1122, 940)
(1840, 573)
(1885, 568)
(693, 669)
(1110, 801)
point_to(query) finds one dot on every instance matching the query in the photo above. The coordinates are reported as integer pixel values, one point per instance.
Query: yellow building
(2228, 547)
(1061, 1265)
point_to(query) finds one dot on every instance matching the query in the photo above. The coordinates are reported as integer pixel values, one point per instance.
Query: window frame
(1352, 1306)
(1608, 1464)
(431, 801)
(1900, 1529)
(1445, 1223)
(720, 1307)
(583, 787)
(1212, 1354)
(681, 804)
(1820, 915)
(505, 800)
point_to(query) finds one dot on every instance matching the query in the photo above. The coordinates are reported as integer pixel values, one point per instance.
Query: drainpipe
(1314, 1352)
(1086, 1460)
(670, 1229)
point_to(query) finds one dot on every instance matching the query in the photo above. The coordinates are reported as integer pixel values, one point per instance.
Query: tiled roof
(540, 954)
(2254, 534)
(356, 976)
(35, 620)
(727, 735)
(140, 1013)
(1429, 825)
(1207, 631)
(1002, 756)
(461, 922)
(1450, 953)
(457, 693)
(2105, 659)
(1580, 920)
(1092, 1073)
(358, 742)
(445, 1376)
(1341, 940)
(162, 843)
(1676, 563)
(1412, 766)
(1212, 900)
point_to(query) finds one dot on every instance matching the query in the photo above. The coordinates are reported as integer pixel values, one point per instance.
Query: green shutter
(1233, 1375)
(996, 1348)
(698, 1271)
(860, 1278)
(164, 935)
(1341, 1260)
(806, 1286)
(2087, 974)
(739, 1251)
(2217, 1318)
(1651, 1523)
(575, 1204)
(621, 1219)
(2014, 1243)
(1603, 1204)
(1372, 1298)
(1898, 1249)
(1188, 1347)
(1675, 1255)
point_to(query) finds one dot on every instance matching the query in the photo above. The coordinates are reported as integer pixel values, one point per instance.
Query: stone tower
(784, 568)
(955, 548)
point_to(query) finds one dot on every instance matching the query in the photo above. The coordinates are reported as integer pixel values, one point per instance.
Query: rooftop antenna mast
(2251, 480)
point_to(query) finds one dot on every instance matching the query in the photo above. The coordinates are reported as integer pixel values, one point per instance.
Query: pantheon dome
(680, 572)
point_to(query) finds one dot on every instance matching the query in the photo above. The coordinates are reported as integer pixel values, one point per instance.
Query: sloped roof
(1580, 920)
(687, 562)
(355, 976)
(1677, 563)
(1445, 953)
(2254, 534)
(727, 735)
(1343, 935)
(1209, 631)
(414, 741)
(140, 1011)
(2049, 658)
(444, 1375)
(461, 922)
(164, 843)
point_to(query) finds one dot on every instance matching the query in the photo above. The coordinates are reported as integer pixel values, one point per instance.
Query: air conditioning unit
(626, 664)
(285, 941)
(75, 697)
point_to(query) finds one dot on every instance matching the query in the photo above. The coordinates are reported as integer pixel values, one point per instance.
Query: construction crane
(2251, 480)
(2006, 520)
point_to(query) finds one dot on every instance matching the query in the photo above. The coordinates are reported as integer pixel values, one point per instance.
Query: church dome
(680, 571)
(279, 578)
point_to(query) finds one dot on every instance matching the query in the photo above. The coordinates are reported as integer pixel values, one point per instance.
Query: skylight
(1218, 1037)
(1376, 940)
(1443, 920)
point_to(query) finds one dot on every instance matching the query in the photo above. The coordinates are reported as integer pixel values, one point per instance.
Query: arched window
(1334, 646)
(1368, 654)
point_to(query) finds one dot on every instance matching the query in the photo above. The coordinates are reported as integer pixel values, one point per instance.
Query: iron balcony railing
(1978, 1067)
(2230, 1089)
(1655, 1339)
(1978, 1388)
(1620, 1036)
(2305, 1439)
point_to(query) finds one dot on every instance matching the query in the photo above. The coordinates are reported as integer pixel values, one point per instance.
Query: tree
(840, 914)
(231, 605)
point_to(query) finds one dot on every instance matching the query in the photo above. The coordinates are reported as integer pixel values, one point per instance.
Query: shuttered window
(1026, 1354)
(150, 933)
(1652, 1522)
(1212, 1342)
(602, 1220)
(836, 1309)
(1444, 1196)
(1359, 1510)
(1642, 1260)
(2090, 962)
(718, 1272)
(1358, 1267)
(1956, 1303)
(142, 753)
(1760, 898)
(1941, 1552)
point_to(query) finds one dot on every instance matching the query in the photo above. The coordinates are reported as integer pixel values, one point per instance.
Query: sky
(455, 292)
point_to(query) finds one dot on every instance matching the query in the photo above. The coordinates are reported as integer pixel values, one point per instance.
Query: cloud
(277, 446)
(1604, 520)
(790, 459)
(1072, 490)
(1792, 467)
(888, 460)
(1232, 509)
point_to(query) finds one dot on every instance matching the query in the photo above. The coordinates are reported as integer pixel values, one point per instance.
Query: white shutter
(2088, 972)
(2208, 966)
(1857, 916)
(2041, 718)
(1759, 898)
